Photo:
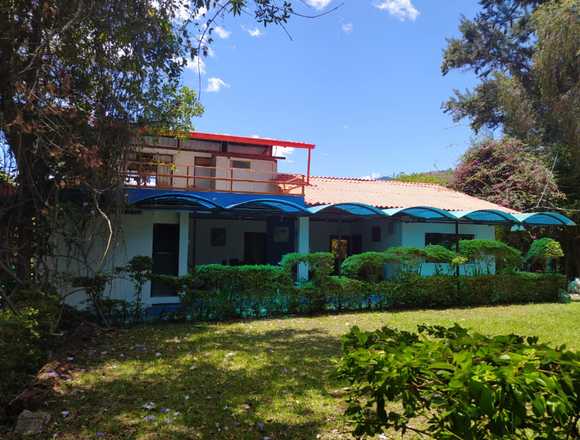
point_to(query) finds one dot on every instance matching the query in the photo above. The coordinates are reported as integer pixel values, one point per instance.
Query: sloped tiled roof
(391, 194)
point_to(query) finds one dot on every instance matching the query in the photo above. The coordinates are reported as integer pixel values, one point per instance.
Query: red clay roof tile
(391, 194)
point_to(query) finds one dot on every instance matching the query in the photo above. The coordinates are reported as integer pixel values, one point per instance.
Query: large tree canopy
(79, 79)
(504, 172)
(525, 53)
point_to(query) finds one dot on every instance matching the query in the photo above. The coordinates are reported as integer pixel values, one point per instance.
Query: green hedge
(215, 292)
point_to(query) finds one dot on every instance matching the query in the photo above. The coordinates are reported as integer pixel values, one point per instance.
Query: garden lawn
(248, 380)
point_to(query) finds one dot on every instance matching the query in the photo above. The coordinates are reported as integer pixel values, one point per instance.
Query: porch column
(183, 243)
(303, 245)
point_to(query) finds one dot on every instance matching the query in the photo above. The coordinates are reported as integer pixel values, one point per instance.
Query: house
(211, 198)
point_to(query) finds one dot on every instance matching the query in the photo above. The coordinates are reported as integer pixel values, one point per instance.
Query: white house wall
(205, 253)
(390, 235)
(184, 160)
(136, 239)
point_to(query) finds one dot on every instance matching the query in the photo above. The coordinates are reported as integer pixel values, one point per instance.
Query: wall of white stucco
(205, 253)
(184, 160)
(137, 239)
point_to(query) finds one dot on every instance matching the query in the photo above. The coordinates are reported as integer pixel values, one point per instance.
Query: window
(218, 237)
(376, 234)
(447, 240)
(242, 164)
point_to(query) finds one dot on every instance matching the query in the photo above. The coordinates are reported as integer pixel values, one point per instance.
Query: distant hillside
(443, 177)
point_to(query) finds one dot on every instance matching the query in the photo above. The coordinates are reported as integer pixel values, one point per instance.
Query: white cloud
(216, 84)
(253, 32)
(372, 176)
(347, 28)
(221, 32)
(402, 9)
(197, 64)
(318, 4)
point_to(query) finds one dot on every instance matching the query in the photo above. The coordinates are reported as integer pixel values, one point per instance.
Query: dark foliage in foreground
(465, 385)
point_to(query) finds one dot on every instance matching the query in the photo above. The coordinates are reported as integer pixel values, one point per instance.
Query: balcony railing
(201, 178)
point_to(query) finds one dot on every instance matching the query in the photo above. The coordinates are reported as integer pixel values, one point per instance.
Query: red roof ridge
(252, 140)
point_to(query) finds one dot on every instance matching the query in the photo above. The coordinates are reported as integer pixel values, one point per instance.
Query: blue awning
(485, 216)
(275, 204)
(171, 198)
(296, 205)
(421, 212)
(544, 219)
(357, 209)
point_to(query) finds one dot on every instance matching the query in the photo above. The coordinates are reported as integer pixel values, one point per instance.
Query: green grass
(249, 380)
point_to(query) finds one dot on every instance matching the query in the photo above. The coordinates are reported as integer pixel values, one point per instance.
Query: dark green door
(165, 256)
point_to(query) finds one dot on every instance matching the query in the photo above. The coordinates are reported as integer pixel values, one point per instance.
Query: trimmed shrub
(345, 293)
(367, 266)
(415, 292)
(410, 259)
(519, 287)
(544, 251)
(444, 259)
(483, 255)
(214, 291)
(459, 384)
(320, 264)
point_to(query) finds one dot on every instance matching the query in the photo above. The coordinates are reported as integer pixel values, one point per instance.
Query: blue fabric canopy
(485, 216)
(544, 219)
(358, 209)
(275, 204)
(295, 205)
(421, 212)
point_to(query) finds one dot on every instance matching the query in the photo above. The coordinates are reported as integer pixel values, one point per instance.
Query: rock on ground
(30, 423)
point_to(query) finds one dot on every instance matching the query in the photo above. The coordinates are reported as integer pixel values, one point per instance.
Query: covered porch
(190, 229)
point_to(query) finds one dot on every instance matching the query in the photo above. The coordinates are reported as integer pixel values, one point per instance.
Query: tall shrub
(450, 383)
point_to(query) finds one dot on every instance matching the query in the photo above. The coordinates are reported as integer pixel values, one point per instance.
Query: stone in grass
(31, 423)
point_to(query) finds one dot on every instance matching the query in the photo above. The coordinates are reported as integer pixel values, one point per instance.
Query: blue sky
(363, 83)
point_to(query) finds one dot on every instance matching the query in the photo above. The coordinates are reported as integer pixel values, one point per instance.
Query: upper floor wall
(209, 162)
